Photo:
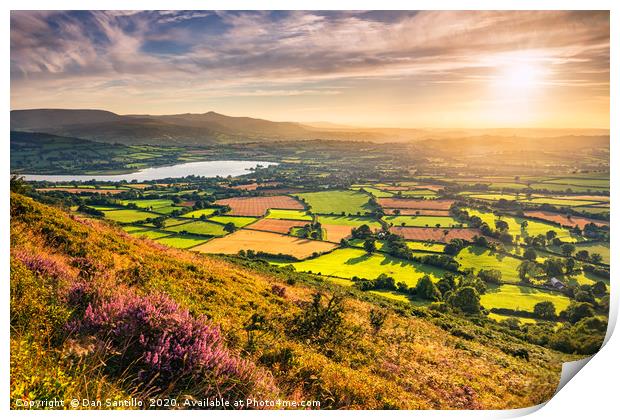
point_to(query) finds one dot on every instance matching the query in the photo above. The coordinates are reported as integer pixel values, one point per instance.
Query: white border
(593, 394)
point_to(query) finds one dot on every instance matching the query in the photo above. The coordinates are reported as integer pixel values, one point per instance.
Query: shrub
(320, 323)
(427, 290)
(466, 299)
(545, 310)
(151, 338)
(377, 319)
(278, 290)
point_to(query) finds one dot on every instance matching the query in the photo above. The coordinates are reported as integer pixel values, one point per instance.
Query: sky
(427, 69)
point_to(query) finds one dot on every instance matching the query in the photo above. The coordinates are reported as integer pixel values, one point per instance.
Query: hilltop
(211, 128)
(78, 284)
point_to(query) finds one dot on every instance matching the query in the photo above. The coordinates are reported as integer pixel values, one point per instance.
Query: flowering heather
(43, 264)
(163, 344)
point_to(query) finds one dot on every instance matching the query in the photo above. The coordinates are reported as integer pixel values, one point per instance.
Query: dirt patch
(277, 225)
(435, 234)
(258, 206)
(565, 220)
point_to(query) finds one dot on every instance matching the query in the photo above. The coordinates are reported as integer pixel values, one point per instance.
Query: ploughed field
(258, 206)
(312, 231)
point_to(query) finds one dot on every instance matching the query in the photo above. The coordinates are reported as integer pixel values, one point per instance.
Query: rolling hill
(141, 320)
(213, 128)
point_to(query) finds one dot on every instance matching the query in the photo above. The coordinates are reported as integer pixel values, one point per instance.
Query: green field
(592, 248)
(349, 262)
(104, 208)
(521, 298)
(128, 215)
(417, 246)
(166, 209)
(182, 241)
(336, 202)
(149, 204)
(197, 213)
(594, 210)
(534, 227)
(584, 182)
(507, 185)
(565, 187)
(199, 228)
(170, 221)
(584, 278)
(559, 203)
(238, 221)
(418, 194)
(288, 214)
(422, 221)
(353, 221)
(146, 232)
(425, 246)
(500, 318)
(376, 192)
(496, 197)
(481, 258)
(390, 294)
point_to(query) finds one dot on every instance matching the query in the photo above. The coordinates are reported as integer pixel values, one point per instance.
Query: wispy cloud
(195, 57)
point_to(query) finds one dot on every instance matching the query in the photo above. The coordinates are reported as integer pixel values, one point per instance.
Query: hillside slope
(96, 312)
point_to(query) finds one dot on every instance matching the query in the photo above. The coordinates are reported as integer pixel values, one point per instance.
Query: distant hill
(486, 144)
(34, 119)
(186, 129)
(214, 128)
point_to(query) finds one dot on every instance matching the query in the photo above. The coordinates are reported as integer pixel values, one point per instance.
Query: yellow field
(269, 242)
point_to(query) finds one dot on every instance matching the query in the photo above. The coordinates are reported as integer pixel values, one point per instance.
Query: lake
(208, 169)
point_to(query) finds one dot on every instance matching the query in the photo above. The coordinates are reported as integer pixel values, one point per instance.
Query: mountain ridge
(195, 129)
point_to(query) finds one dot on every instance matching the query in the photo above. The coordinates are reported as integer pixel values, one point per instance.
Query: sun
(520, 78)
(517, 83)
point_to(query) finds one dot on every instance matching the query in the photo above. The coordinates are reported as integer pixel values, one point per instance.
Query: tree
(530, 254)
(159, 222)
(570, 265)
(362, 232)
(369, 246)
(446, 284)
(426, 289)
(599, 288)
(568, 249)
(527, 269)
(505, 237)
(596, 258)
(551, 234)
(466, 299)
(481, 241)
(490, 276)
(577, 311)
(584, 296)
(230, 227)
(554, 267)
(545, 310)
(582, 255)
(19, 185)
(453, 247)
(501, 225)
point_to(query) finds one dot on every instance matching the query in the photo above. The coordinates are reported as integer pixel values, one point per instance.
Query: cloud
(270, 53)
